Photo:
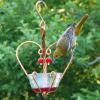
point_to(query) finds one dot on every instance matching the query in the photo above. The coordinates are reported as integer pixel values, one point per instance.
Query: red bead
(41, 61)
(48, 60)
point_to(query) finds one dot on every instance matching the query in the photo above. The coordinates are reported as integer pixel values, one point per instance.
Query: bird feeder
(44, 82)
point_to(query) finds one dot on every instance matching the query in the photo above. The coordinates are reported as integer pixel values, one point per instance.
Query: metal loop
(53, 74)
(40, 52)
(33, 75)
(48, 53)
(37, 5)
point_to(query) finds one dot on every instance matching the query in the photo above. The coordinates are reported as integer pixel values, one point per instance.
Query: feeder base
(46, 90)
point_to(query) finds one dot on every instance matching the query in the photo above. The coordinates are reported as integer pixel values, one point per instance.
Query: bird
(67, 40)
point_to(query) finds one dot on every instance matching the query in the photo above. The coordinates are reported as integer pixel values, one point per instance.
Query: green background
(19, 22)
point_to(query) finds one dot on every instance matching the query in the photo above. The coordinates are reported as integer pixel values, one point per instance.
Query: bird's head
(71, 25)
(58, 53)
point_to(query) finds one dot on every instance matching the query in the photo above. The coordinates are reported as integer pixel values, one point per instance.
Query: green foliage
(19, 22)
(87, 95)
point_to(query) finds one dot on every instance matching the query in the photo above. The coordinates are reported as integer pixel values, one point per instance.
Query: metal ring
(40, 52)
(48, 53)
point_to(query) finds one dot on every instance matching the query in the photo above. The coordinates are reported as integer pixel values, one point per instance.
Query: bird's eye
(56, 56)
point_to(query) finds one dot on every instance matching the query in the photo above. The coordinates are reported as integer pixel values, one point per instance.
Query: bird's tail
(79, 25)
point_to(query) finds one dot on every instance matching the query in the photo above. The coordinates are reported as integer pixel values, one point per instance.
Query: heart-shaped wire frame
(34, 72)
(45, 53)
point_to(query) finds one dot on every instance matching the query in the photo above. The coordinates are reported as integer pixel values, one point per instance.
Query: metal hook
(37, 4)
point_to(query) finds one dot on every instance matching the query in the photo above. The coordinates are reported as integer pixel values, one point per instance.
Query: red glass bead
(48, 60)
(41, 61)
